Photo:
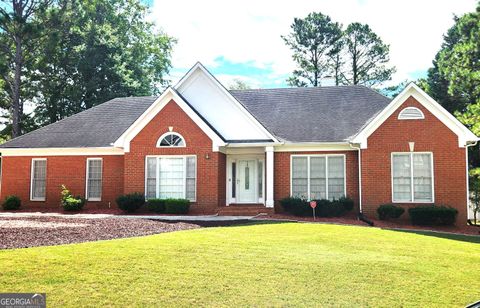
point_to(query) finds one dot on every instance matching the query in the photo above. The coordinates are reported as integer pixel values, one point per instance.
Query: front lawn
(286, 264)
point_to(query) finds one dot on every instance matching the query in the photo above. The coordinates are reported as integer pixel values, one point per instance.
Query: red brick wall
(282, 174)
(429, 135)
(68, 170)
(210, 172)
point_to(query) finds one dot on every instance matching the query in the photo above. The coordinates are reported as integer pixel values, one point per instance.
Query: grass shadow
(450, 236)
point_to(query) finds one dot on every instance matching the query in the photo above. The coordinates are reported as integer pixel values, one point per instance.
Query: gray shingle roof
(96, 127)
(322, 114)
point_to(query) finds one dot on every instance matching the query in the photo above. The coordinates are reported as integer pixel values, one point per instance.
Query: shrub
(130, 202)
(296, 206)
(69, 202)
(11, 203)
(177, 206)
(347, 203)
(325, 208)
(156, 205)
(387, 211)
(432, 215)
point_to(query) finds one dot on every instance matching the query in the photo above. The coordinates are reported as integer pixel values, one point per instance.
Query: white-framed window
(171, 139)
(93, 191)
(412, 177)
(318, 176)
(38, 179)
(172, 176)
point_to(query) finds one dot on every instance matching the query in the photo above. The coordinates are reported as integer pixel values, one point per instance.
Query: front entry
(245, 178)
(246, 183)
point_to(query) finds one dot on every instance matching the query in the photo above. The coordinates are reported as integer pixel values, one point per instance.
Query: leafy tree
(475, 192)
(238, 84)
(393, 91)
(100, 49)
(312, 40)
(367, 56)
(19, 35)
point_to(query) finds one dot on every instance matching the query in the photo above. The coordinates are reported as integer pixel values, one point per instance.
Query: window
(318, 176)
(411, 113)
(412, 177)
(38, 179)
(171, 140)
(171, 177)
(94, 179)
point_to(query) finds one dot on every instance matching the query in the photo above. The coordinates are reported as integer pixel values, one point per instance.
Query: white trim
(86, 178)
(31, 179)
(185, 80)
(157, 172)
(6, 152)
(314, 146)
(412, 192)
(142, 121)
(326, 172)
(402, 116)
(270, 177)
(171, 146)
(463, 133)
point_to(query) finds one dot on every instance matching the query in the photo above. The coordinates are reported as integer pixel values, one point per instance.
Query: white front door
(246, 181)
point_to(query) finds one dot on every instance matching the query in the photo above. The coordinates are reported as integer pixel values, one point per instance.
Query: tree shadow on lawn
(450, 236)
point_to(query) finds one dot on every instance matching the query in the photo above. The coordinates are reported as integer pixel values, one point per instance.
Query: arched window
(411, 113)
(171, 140)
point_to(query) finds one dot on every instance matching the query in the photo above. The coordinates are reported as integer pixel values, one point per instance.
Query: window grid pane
(402, 185)
(422, 178)
(94, 178)
(318, 181)
(171, 179)
(300, 177)
(151, 189)
(191, 181)
(336, 180)
(39, 179)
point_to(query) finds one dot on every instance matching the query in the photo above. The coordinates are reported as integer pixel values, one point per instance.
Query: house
(244, 150)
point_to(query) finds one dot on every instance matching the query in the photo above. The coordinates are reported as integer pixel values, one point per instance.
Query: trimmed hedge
(177, 206)
(387, 211)
(431, 215)
(156, 205)
(130, 202)
(11, 203)
(325, 208)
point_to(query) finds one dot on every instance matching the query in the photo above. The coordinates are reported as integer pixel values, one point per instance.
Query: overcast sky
(241, 39)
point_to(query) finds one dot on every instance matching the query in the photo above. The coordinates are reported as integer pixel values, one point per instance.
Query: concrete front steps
(244, 210)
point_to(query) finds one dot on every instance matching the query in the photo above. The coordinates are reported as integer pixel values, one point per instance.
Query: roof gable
(463, 133)
(169, 94)
(218, 107)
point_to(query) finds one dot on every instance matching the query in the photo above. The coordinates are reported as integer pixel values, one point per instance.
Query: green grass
(288, 264)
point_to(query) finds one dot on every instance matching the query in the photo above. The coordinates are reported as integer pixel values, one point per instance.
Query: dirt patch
(45, 231)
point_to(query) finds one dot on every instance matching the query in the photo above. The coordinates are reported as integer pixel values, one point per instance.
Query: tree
(18, 38)
(367, 56)
(312, 39)
(238, 84)
(100, 49)
(475, 193)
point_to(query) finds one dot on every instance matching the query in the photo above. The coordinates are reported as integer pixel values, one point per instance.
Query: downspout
(359, 177)
(467, 145)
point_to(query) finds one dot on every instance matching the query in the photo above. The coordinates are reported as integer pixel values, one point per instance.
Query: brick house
(242, 151)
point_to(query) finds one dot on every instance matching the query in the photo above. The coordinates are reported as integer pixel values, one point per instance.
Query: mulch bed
(352, 220)
(45, 231)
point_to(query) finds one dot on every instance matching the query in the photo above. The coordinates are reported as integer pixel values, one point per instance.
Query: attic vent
(411, 113)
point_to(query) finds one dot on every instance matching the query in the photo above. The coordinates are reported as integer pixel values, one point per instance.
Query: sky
(241, 39)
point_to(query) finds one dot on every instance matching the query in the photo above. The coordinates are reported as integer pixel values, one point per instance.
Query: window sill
(38, 199)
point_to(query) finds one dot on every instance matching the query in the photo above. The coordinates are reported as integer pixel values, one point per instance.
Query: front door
(246, 183)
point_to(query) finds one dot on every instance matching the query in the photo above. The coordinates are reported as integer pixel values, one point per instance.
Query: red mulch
(21, 232)
(352, 220)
